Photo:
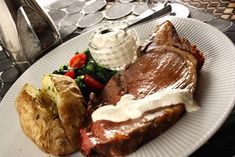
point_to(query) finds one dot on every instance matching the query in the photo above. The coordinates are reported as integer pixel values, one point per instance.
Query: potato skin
(57, 136)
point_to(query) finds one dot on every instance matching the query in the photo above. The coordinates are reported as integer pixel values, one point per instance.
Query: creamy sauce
(130, 108)
(110, 39)
(114, 47)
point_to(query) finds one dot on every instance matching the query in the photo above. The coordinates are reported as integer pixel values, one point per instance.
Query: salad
(89, 75)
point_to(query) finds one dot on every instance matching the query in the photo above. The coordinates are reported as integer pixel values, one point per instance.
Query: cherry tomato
(70, 73)
(93, 83)
(78, 60)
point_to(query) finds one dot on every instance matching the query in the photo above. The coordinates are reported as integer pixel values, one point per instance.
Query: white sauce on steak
(130, 108)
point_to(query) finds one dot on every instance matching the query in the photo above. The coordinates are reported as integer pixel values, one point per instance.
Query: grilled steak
(165, 61)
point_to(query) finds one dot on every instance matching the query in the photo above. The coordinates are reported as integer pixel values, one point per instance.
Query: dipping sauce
(130, 108)
(113, 47)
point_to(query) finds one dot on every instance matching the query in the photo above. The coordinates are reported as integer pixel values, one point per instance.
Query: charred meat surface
(166, 61)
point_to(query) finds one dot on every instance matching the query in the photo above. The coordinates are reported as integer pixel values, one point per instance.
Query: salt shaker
(26, 32)
(36, 30)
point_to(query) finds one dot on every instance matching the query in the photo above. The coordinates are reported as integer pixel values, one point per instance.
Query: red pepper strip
(93, 83)
(71, 74)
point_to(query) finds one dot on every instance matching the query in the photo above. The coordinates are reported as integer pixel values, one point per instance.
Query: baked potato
(52, 116)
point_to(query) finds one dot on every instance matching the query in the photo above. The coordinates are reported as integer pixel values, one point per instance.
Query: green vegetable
(79, 81)
(82, 86)
(95, 70)
(88, 54)
(62, 70)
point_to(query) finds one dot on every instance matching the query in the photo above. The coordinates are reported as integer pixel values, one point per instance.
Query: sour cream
(110, 39)
(131, 108)
(114, 47)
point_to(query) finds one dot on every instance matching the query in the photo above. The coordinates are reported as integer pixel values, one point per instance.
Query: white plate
(215, 93)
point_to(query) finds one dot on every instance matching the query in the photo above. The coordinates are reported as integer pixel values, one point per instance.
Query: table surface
(221, 144)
